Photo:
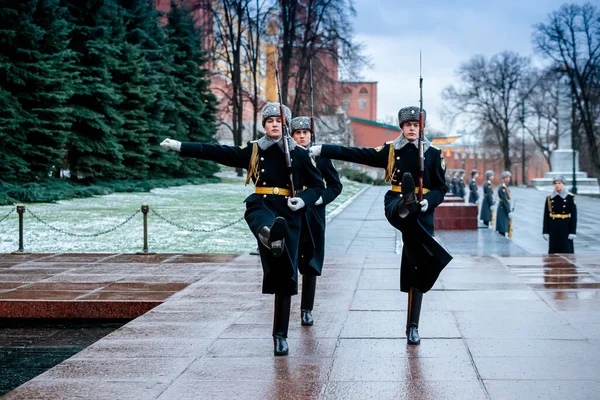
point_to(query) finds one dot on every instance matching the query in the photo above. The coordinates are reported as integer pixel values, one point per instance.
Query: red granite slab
(74, 309)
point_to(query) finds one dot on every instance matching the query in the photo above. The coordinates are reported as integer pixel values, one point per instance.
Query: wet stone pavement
(500, 323)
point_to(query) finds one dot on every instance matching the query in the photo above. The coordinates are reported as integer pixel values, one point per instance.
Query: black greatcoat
(504, 208)
(280, 275)
(461, 188)
(405, 159)
(473, 194)
(488, 201)
(557, 227)
(312, 248)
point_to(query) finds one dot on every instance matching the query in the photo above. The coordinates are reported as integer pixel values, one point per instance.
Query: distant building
(359, 99)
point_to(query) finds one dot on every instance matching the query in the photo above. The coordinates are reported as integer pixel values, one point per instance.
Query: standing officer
(560, 218)
(473, 193)
(504, 210)
(422, 257)
(272, 214)
(312, 241)
(461, 184)
(487, 203)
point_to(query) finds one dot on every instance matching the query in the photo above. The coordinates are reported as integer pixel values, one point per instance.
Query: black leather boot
(281, 321)
(309, 285)
(415, 298)
(408, 193)
(273, 237)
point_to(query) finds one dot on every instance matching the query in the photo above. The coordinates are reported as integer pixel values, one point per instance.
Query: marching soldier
(312, 241)
(461, 184)
(473, 193)
(273, 215)
(560, 218)
(422, 257)
(455, 186)
(504, 210)
(487, 203)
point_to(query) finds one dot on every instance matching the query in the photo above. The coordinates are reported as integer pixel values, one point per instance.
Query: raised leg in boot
(309, 285)
(415, 298)
(281, 321)
(272, 237)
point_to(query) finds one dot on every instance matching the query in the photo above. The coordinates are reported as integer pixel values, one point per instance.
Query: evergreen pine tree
(143, 30)
(195, 116)
(135, 97)
(39, 84)
(12, 116)
(94, 152)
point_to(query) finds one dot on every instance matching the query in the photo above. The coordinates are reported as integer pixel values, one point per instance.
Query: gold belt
(273, 190)
(560, 216)
(398, 188)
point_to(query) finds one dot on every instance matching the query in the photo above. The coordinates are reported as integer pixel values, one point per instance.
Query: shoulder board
(390, 142)
(254, 141)
(435, 147)
(571, 194)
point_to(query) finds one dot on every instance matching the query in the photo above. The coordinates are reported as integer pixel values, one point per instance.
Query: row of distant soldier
(560, 210)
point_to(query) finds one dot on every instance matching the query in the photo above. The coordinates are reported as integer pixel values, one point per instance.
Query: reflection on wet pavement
(495, 326)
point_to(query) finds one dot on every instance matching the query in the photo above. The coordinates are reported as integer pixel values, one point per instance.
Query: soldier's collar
(401, 141)
(266, 141)
(563, 193)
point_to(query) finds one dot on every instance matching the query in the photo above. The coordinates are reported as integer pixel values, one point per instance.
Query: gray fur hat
(409, 114)
(299, 123)
(272, 110)
(473, 172)
(489, 173)
(505, 174)
(559, 178)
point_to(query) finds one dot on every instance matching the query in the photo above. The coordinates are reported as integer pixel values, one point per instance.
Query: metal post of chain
(145, 208)
(20, 211)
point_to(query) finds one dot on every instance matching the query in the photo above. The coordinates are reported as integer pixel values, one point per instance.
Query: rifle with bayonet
(312, 108)
(421, 134)
(285, 135)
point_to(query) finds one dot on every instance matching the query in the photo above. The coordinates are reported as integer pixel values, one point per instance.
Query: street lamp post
(574, 189)
(523, 180)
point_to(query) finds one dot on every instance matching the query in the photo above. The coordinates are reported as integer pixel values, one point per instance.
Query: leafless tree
(321, 31)
(256, 16)
(491, 92)
(541, 109)
(229, 34)
(571, 37)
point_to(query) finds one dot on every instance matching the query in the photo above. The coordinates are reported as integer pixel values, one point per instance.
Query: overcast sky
(448, 33)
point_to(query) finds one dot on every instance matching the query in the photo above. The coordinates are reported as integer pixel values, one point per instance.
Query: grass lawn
(195, 206)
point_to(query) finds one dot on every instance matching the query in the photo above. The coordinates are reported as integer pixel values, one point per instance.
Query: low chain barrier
(220, 228)
(21, 210)
(114, 228)
(12, 210)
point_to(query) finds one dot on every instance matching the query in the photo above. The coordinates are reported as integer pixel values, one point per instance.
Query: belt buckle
(275, 190)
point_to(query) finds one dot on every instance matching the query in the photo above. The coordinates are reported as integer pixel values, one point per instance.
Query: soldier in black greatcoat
(487, 203)
(312, 242)
(400, 160)
(560, 219)
(473, 193)
(504, 210)
(461, 184)
(273, 215)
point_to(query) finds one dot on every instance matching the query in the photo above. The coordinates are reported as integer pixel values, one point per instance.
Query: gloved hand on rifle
(571, 236)
(319, 201)
(295, 203)
(424, 205)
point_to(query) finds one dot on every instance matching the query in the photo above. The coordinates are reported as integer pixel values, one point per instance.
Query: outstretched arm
(233, 156)
(373, 157)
